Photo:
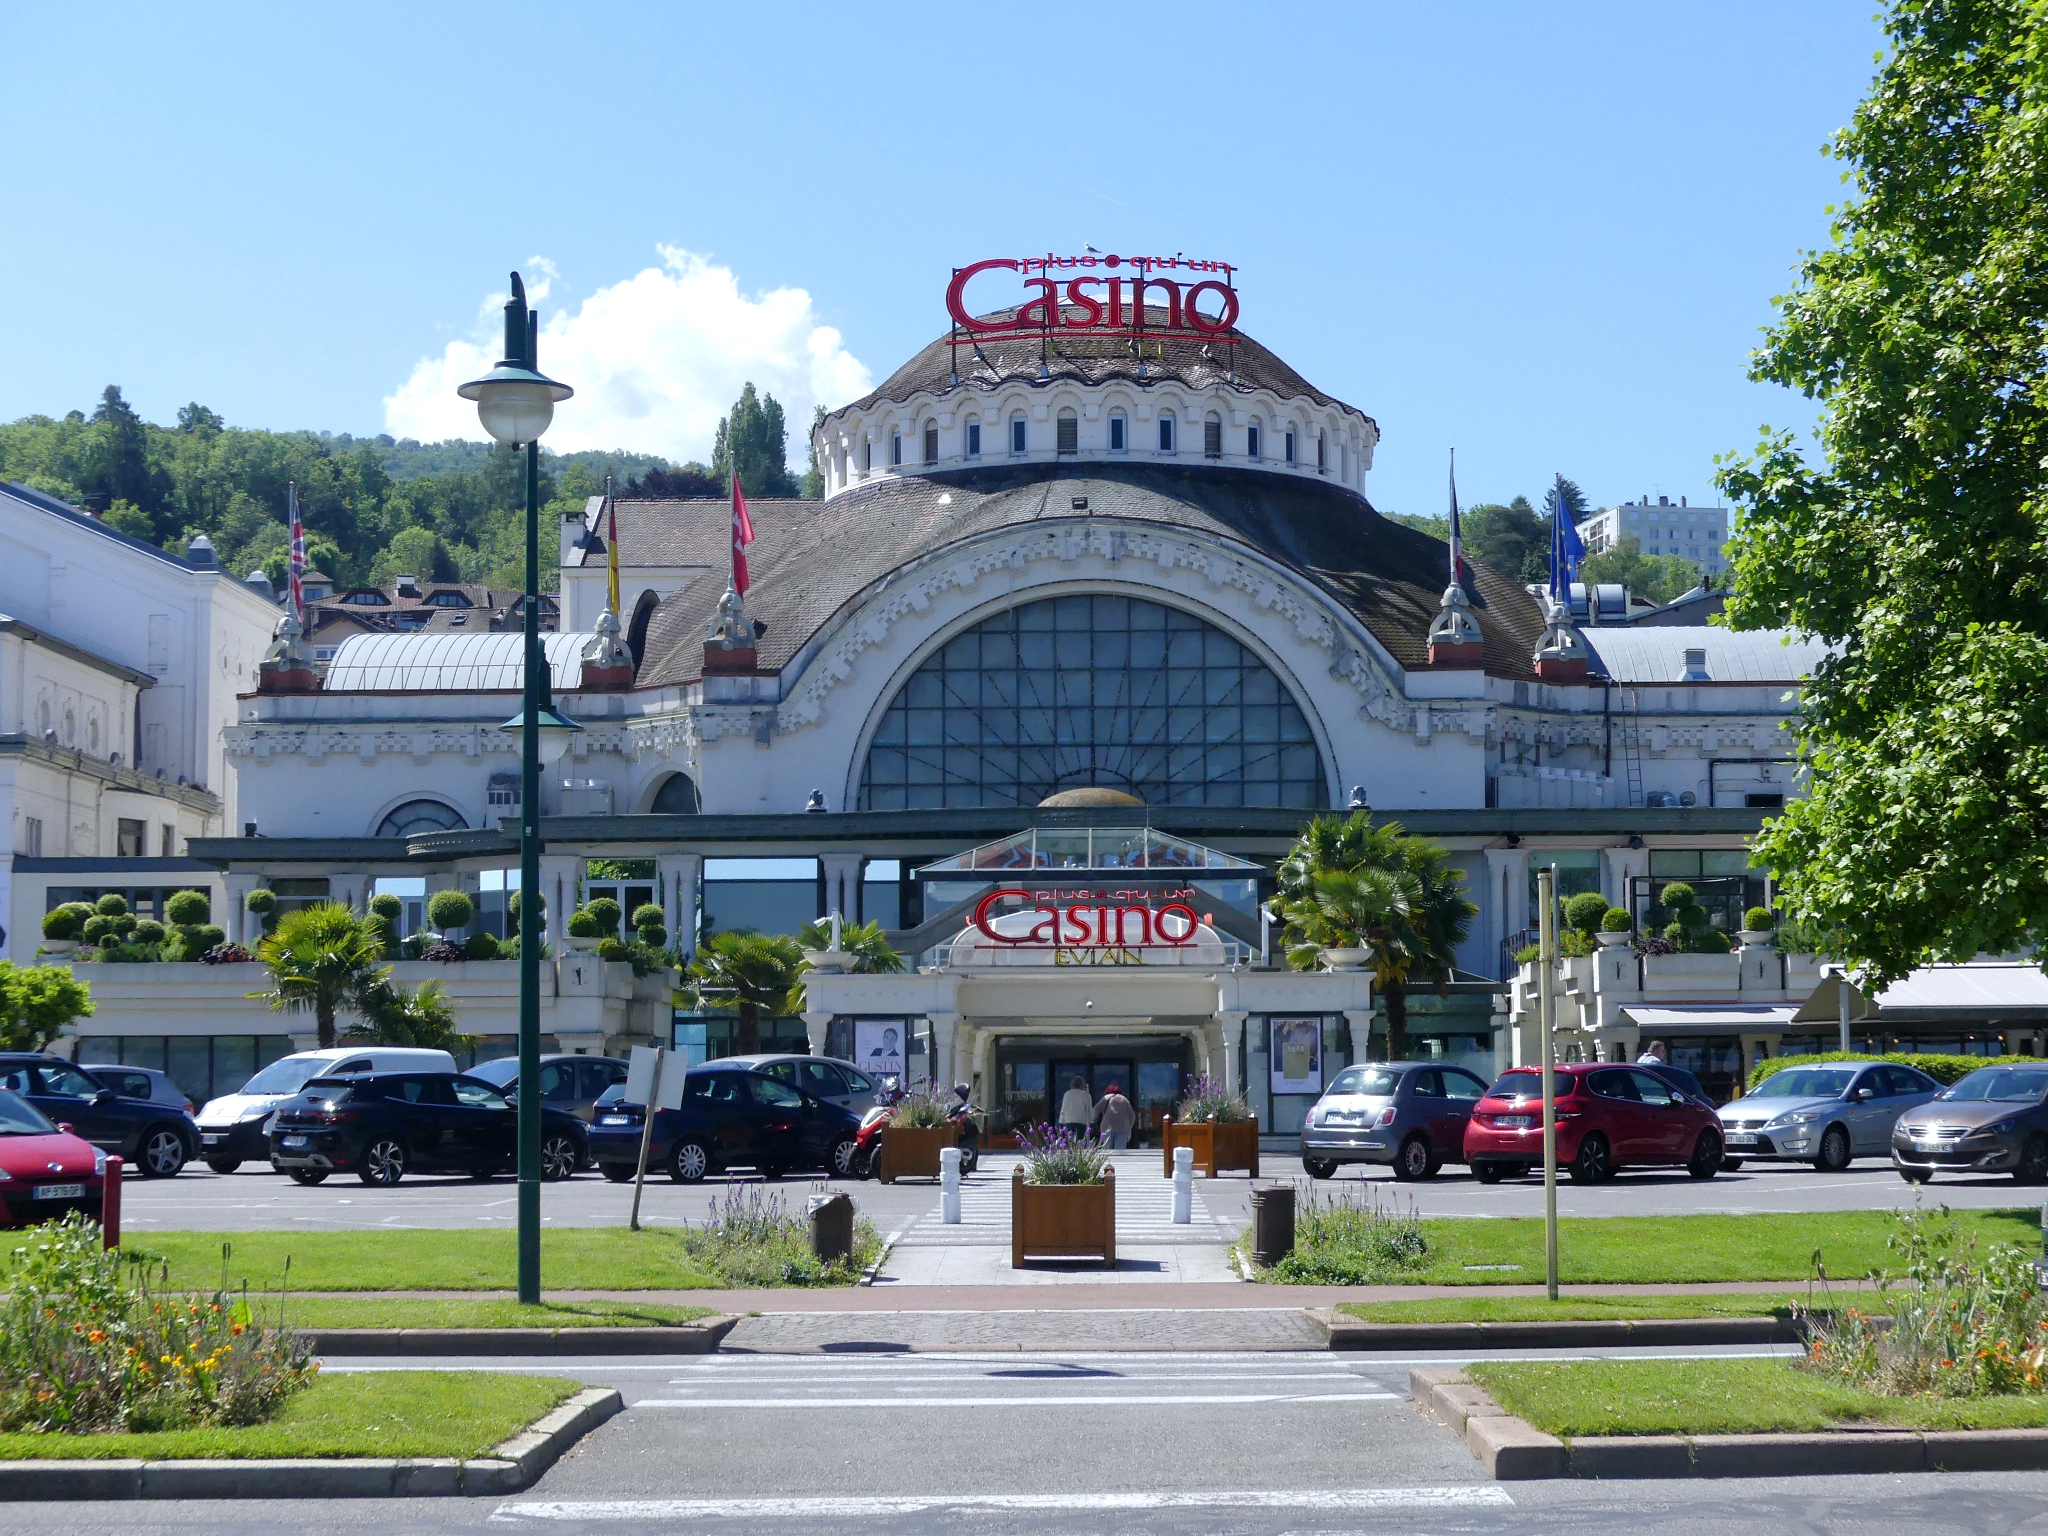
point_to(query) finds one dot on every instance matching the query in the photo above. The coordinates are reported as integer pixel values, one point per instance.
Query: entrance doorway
(1034, 1071)
(1098, 1074)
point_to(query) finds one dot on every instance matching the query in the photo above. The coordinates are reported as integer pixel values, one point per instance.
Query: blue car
(731, 1117)
(154, 1138)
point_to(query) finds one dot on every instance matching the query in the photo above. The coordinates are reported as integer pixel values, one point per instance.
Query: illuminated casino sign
(1100, 295)
(1082, 925)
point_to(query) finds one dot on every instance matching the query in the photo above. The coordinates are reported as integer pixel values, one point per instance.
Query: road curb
(699, 1338)
(1512, 1449)
(510, 1467)
(1593, 1333)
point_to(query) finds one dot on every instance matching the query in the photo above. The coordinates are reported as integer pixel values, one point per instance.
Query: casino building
(1095, 613)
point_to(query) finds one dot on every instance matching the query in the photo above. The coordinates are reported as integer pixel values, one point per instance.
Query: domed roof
(1094, 794)
(1027, 357)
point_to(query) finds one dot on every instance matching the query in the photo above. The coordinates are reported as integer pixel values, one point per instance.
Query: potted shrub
(1062, 1200)
(449, 912)
(585, 931)
(1220, 1128)
(1757, 925)
(64, 926)
(261, 904)
(1616, 927)
(920, 1127)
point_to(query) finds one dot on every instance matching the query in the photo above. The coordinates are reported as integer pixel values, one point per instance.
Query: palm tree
(749, 972)
(865, 942)
(321, 959)
(1351, 885)
(392, 1016)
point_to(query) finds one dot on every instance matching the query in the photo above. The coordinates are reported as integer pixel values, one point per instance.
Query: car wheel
(161, 1152)
(383, 1163)
(1486, 1173)
(2033, 1165)
(618, 1173)
(559, 1156)
(1413, 1160)
(688, 1162)
(307, 1175)
(1595, 1162)
(223, 1164)
(1834, 1150)
(1706, 1156)
(1318, 1167)
(846, 1156)
(1731, 1165)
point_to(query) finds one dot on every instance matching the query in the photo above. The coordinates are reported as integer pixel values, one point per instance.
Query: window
(168, 848)
(764, 895)
(1016, 434)
(895, 448)
(1251, 441)
(867, 457)
(128, 838)
(931, 444)
(1322, 455)
(482, 1096)
(1090, 690)
(501, 792)
(1067, 438)
(1117, 424)
(1290, 445)
(973, 439)
(297, 895)
(770, 1094)
(1166, 433)
(823, 1079)
(32, 836)
(676, 797)
(445, 599)
(417, 816)
(1212, 439)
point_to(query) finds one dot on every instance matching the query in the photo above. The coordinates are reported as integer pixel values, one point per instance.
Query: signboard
(640, 1077)
(1296, 1055)
(1198, 296)
(879, 1046)
(1090, 924)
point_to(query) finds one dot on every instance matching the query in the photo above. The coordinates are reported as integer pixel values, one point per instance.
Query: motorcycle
(963, 1116)
(867, 1152)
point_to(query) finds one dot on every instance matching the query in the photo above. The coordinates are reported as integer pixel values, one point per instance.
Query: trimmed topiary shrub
(1711, 941)
(206, 936)
(149, 931)
(648, 915)
(66, 921)
(1759, 920)
(653, 936)
(1585, 910)
(97, 927)
(110, 941)
(388, 906)
(606, 911)
(113, 904)
(188, 909)
(450, 909)
(483, 946)
(583, 925)
(613, 949)
(262, 905)
(512, 906)
(1616, 920)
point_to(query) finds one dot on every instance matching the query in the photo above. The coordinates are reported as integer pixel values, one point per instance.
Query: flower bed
(1341, 1238)
(752, 1238)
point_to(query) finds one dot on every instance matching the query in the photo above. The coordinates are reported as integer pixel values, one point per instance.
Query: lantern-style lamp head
(514, 400)
(556, 729)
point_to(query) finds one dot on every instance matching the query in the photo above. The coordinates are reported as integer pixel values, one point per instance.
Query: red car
(1608, 1117)
(44, 1171)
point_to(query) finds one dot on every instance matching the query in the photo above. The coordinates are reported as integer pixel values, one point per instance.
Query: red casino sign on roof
(1105, 295)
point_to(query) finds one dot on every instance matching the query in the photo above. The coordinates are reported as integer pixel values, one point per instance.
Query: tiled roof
(813, 559)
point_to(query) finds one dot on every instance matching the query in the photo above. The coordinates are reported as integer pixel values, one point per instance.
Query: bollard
(1272, 1224)
(110, 1205)
(949, 1186)
(832, 1228)
(1183, 1186)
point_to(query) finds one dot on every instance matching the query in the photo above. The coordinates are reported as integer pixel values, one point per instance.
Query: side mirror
(1860, 1094)
(105, 1097)
(65, 1127)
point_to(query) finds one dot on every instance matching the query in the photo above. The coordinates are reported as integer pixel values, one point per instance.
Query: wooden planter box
(1218, 1147)
(1063, 1221)
(913, 1152)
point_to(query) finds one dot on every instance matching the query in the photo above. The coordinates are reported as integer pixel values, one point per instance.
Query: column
(815, 1025)
(1618, 866)
(680, 875)
(1360, 1021)
(350, 888)
(1507, 897)
(1232, 1023)
(560, 876)
(943, 1026)
(236, 885)
(842, 883)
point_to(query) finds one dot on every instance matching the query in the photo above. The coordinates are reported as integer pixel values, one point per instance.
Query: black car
(154, 1138)
(731, 1117)
(384, 1125)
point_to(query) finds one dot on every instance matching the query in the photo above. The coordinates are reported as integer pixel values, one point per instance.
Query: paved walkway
(1121, 1328)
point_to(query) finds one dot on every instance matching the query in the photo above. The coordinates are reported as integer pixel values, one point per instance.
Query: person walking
(1653, 1055)
(1076, 1108)
(1117, 1117)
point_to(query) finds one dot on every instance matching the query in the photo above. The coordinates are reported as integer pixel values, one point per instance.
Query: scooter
(963, 1116)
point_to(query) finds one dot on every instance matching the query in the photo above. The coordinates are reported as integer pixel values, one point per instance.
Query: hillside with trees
(374, 507)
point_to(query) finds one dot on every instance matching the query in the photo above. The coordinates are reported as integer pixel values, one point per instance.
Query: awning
(1981, 991)
(1703, 1018)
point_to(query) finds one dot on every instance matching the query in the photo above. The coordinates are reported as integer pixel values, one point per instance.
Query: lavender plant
(1342, 1237)
(1206, 1099)
(1053, 1155)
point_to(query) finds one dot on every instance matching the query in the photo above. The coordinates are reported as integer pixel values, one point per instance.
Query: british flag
(298, 552)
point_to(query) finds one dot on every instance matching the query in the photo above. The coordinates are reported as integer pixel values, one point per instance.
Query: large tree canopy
(1917, 545)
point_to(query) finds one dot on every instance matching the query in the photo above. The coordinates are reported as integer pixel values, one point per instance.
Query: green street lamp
(516, 402)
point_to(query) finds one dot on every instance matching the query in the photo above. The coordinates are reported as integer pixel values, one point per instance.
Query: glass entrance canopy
(1086, 850)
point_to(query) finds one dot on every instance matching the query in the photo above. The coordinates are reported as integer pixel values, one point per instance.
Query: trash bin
(1272, 1224)
(832, 1227)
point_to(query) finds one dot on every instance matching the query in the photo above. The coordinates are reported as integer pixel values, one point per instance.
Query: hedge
(1943, 1069)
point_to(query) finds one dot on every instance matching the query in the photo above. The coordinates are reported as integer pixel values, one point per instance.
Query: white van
(231, 1127)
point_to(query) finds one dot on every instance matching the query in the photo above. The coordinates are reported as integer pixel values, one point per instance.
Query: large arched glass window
(417, 816)
(1092, 691)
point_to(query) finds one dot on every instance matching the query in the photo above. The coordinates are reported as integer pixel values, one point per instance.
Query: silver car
(1411, 1114)
(1824, 1114)
(838, 1082)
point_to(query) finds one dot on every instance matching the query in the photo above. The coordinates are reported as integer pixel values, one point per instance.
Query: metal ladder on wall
(1631, 746)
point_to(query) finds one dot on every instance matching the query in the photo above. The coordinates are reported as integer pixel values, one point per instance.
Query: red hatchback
(1608, 1117)
(44, 1172)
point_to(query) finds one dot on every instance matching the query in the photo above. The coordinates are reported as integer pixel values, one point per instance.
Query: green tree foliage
(1347, 884)
(37, 1002)
(866, 942)
(1575, 504)
(1513, 539)
(1918, 542)
(392, 1016)
(814, 475)
(1660, 578)
(1435, 527)
(751, 973)
(322, 959)
(754, 436)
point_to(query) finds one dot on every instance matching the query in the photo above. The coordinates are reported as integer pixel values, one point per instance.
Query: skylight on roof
(1086, 849)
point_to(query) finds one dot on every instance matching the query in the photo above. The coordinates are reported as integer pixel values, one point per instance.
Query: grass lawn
(1535, 1309)
(1721, 1397)
(386, 1413)
(458, 1312)
(1619, 1250)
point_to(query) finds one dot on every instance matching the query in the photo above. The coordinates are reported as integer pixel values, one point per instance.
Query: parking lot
(255, 1198)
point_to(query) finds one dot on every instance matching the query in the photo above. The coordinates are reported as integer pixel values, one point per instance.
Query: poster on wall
(1297, 1055)
(878, 1046)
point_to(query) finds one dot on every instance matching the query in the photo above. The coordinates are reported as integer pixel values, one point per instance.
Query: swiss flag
(742, 536)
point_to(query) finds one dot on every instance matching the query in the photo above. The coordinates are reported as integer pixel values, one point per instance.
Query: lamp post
(515, 403)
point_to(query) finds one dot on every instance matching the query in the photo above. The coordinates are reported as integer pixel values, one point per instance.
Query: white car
(231, 1127)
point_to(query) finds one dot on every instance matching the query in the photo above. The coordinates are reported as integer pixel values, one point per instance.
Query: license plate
(1741, 1138)
(58, 1191)
(1929, 1144)
(292, 1141)
(1515, 1122)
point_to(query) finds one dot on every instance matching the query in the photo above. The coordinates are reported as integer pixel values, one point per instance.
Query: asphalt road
(1252, 1445)
(255, 1198)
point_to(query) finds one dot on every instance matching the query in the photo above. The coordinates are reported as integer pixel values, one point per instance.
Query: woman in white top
(1077, 1109)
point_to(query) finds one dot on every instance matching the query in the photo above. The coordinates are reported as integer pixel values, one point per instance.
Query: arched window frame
(451, 819)
(1167, 438)
(1119, 432)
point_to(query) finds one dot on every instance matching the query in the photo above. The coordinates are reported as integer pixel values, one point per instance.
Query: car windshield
(2006, 1085)
(328, 1091)
(18, 1117)
(1804, 1083)
(1372, 1082)
(286, 1076)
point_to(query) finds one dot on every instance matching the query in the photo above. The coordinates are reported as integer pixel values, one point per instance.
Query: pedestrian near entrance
(1654, 1055)
(1116, 1117)
(1076, 1108)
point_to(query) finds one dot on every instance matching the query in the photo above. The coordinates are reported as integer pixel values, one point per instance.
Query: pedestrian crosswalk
(1144, 1211)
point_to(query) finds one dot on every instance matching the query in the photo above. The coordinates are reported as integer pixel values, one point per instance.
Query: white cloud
(655, 360)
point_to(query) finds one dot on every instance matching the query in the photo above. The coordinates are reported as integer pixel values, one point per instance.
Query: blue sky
(1545, 233)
